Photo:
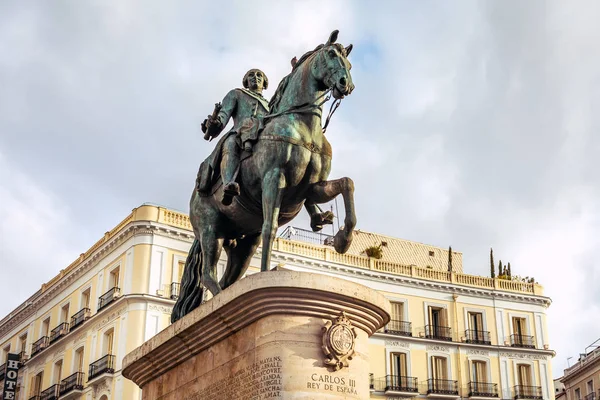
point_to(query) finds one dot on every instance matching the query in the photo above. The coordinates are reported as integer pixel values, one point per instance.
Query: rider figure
(246, 106)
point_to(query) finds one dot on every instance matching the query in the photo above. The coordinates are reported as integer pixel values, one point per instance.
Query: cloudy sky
(471, 125)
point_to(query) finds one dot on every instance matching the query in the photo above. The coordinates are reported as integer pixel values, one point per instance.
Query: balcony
(522, 341)
(590, 396)
(438, 332)
(528, 392)
(58, 332)
(402, 328)
(405, 386)
(51, 393)
(2, 371)
(482, 390)
(80, 317)
(174, 290)
(108, 297)
(442, 387)
(105, 365)
(40, 345)
(23, 358)
(71, 386)
(477, 337)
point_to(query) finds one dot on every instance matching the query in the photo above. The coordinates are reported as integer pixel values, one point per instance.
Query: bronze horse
(289, 168)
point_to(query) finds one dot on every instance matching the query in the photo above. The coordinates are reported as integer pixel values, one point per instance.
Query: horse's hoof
(318, 220)
(342, 241)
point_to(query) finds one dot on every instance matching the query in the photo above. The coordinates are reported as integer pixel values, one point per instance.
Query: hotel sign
(10, 377)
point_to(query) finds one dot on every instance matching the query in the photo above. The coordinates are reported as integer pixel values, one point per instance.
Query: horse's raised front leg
(211, 251)
(272, 189)
(322, 192)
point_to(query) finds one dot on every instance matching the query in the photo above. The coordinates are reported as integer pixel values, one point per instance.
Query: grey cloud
(472, 124)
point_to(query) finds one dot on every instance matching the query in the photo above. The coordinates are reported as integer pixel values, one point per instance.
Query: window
(45, 327)
(79, 359)
(23, 342)
(397, 311)
(476, 321)
(85, 298)
(590, 387)
(5, 352)
(479, 371)
(398, 364)
(114, 278)
(180, 271)
(437, 317)
(524, 374)
(577, 394)
(64, 313)
(108, 342)
(58, 371)
(519, 326)
(36, 384)
(439, 368)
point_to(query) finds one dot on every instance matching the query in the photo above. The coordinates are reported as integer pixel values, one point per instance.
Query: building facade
(581, 381)
(452, 335)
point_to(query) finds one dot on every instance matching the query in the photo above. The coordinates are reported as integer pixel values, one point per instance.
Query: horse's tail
(191, 292)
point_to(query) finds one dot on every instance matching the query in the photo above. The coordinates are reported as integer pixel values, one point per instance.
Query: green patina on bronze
(274, 161)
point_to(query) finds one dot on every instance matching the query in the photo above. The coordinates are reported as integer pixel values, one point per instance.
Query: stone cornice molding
(405, 280)
(133, 229)
(247, 301)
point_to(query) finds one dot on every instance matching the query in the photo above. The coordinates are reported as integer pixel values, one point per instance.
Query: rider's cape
(247, 110)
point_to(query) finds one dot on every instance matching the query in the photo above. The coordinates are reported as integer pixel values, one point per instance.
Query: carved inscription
(396, 343)
(523, 356)
(258, 381)
(478, 352)
(436, 347)
(332, 384)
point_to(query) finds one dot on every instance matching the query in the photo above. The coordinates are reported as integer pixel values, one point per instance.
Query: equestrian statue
(274, 161)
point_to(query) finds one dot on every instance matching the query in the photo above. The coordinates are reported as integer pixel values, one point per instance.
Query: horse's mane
(276, 99)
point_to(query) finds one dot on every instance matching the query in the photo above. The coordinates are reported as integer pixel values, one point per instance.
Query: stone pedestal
(272, 335)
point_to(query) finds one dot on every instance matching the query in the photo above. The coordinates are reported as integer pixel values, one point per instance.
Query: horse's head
(332, 67)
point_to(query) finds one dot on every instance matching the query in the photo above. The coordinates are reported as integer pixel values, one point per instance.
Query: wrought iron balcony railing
(528, 392)
(104, 365)
(303, 235)
(402, 328)
(401, 384)
(58, 332)
(438, 332)
(108, 297)
(70, 383)
(39, 345)
(590, 396)
(36, 397)
(482, 389)
(522, 341)
(80, 317)
(2, 371)
(174, 290)
(477, 337)
(442, 386)
(51, 393)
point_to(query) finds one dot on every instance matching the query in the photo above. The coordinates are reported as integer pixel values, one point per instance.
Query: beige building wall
(582, 380)
(145, 255)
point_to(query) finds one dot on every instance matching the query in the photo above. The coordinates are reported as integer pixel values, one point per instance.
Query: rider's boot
(230, 187)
